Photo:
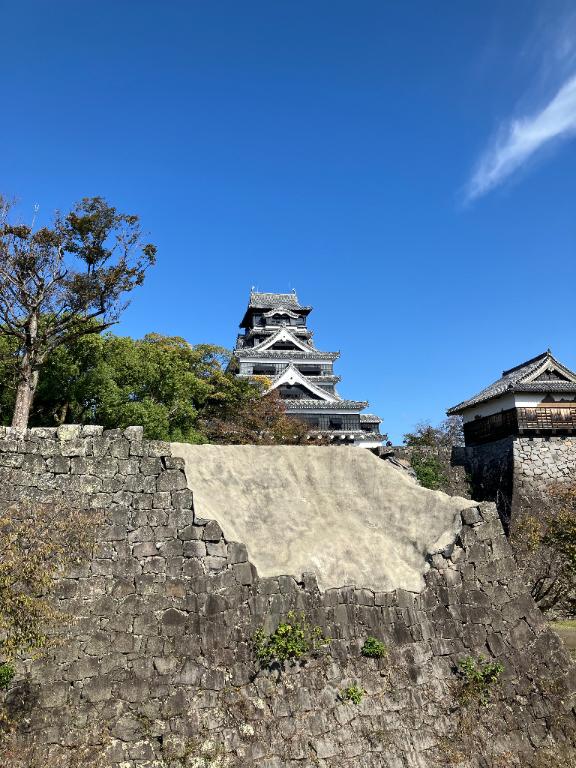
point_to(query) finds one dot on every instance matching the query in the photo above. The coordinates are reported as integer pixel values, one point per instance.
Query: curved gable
(286, 337)
(292, 377)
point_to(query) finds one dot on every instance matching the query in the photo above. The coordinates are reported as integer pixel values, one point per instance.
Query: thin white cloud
(520, 139)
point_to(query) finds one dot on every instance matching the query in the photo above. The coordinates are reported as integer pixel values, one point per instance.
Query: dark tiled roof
(301, 333)
(369, 418)
(314, 379)
(298, 330)
(274, 300)
(287, 354)
(336, 405)
(268, 301)
(515, 380)
(324, 379)
(546, 386)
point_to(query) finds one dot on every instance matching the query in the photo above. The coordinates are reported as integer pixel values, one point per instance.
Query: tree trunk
(24, 396)
(28, 379)
(61, 413)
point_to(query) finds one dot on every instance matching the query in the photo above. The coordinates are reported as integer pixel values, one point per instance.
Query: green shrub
(7, 673)
(374, 649)
(292, 639)
(429, 470)
(353, 694)
(478, 678)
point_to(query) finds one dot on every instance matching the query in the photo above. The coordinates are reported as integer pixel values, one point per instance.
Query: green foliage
(8, 377)
(544, 542)
(7, 673)
(478, 677)
(353, 694)
(158, 382)
(162, 383)
(560, 535)
(292, 639)
(448, 433)
(429, 470)
(431, 451)
(176, 391)
(374, 649)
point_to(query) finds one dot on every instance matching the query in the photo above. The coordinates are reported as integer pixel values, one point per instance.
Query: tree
(254, 418)
(430, 453)
(175, 390)
(160, 382)
(65, 281)
(450, 432)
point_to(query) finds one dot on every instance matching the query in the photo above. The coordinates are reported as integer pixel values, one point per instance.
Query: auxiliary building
(520, 435)
(276, 342)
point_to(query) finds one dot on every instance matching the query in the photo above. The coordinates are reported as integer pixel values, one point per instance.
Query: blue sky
(408, 167)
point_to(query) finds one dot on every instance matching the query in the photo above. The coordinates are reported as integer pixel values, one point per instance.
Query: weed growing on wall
(352, 694)
(39, 541)
(193, 753)
(7, 673)
(374, 649)
(293, 639)
(477, 679)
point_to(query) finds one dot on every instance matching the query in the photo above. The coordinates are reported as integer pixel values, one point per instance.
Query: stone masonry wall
(539, 462)
(158, 671)
(490, 470)
(514, 472)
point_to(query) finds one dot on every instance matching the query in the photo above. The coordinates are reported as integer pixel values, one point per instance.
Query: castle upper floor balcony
(549, 419)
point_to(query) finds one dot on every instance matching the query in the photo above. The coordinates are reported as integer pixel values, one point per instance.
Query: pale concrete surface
(340, 512)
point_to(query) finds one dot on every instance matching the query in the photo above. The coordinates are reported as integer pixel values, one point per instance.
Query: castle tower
(520, 433)
(277, 343)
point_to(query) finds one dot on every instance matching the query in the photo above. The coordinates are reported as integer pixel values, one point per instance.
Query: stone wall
(158, 670)
(514, 472)
(489, 468)
(539, 462)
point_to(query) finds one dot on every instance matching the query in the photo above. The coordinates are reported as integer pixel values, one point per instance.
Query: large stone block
(171, 480)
